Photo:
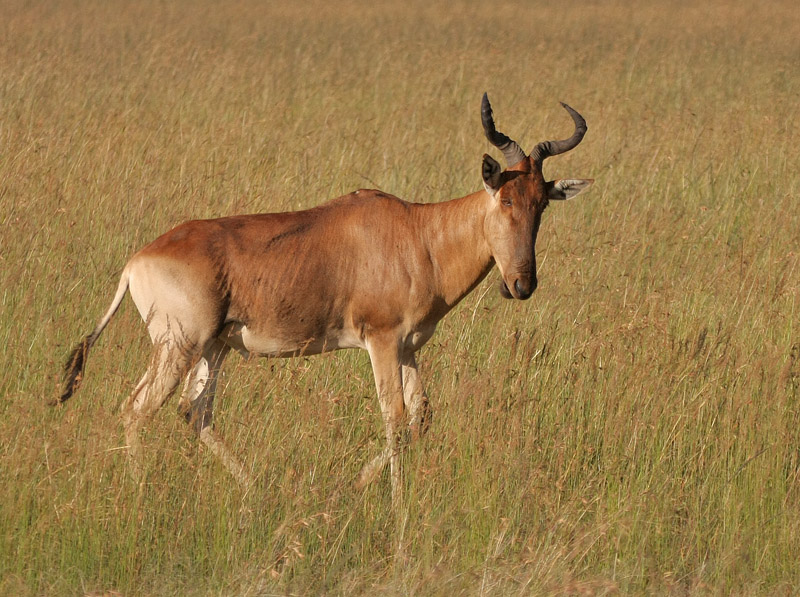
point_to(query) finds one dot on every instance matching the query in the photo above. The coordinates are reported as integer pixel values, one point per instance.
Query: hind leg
(169, 363)
(197, 406)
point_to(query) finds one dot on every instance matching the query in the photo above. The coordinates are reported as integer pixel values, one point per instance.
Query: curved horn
(547, 149)
(512, 152)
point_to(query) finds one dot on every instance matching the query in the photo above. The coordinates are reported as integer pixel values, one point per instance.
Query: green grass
(633, 428)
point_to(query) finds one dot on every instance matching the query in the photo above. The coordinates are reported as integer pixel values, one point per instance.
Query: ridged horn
(511, 151)
(547, 149)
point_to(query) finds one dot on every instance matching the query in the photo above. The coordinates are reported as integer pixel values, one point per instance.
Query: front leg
(384, 353)
(416, 400)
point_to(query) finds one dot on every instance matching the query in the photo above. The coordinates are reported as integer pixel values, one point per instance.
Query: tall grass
(633, 428)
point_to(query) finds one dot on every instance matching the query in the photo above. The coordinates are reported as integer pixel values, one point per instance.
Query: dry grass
(633, 428)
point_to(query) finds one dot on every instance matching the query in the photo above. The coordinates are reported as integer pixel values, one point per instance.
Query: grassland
(633, 428)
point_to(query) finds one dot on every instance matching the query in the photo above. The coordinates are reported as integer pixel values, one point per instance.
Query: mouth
(504, 291)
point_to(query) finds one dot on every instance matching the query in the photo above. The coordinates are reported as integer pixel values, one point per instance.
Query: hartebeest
(366, 270)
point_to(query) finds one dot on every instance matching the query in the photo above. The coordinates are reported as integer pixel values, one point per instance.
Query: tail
(73, 370)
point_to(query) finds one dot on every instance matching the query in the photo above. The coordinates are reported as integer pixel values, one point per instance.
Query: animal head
(520, 195)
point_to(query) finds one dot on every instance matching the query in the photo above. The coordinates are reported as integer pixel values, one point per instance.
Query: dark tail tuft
(73, 370)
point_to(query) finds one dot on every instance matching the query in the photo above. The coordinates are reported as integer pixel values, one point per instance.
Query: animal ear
(491, 171)
(566, 188)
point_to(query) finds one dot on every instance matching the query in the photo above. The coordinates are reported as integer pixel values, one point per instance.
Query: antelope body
(366, 270)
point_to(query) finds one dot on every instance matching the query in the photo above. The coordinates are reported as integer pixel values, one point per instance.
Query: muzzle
(522, 289)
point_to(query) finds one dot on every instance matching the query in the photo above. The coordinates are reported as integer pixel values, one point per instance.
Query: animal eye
(506, 201)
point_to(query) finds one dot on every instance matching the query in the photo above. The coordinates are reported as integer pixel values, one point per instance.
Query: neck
(453, 232)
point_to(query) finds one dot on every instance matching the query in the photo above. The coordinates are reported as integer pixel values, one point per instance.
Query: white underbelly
(247, 341)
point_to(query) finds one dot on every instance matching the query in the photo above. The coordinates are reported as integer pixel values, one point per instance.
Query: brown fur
(366, 270)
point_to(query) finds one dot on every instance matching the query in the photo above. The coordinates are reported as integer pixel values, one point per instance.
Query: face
(519, 196)
(512, 225)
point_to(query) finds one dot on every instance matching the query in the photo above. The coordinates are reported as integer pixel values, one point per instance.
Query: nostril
(523, 293)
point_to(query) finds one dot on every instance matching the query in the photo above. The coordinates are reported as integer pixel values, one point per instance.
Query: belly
(251, 342)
